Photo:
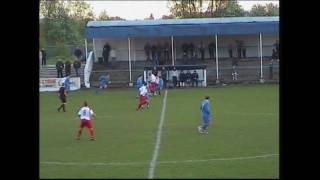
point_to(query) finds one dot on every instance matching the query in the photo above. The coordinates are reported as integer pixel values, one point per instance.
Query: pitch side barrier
(169, 71)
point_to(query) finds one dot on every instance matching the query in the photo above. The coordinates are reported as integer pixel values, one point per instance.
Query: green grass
(246, 123)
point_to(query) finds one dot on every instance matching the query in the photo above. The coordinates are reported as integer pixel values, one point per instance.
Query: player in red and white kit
(86, 115)
(143, 91)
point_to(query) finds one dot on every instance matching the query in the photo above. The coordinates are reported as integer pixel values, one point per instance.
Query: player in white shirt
(86, 115)
(143, 96)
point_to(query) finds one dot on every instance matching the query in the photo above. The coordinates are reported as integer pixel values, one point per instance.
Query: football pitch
(243, 139)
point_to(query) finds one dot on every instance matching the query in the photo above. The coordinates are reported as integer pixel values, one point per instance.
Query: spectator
(230, 49)
(59, 67)
(184, 51)
(182, 78)
(147, 50)
(274, 54)
(174, 77)
(153, 53)
(239, 46)
(188, 78)
(68, 68)
(44, 57)
(40, 59)
(191, 50)
(195, 78)
(105, 52)
(77, 66)
(211, 48)
(113, 54)
(271, 69)
(276, 46)
(243, 50)
(166, 52)
(103, 81)
(159, 54)
(202, 49)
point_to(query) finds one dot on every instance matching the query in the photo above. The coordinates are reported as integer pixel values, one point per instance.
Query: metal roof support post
(172, 52)
(94, 51)
(261, 65)
(217, 61)
(129, 45)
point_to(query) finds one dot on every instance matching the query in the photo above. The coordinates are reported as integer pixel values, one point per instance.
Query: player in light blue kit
(206, 116)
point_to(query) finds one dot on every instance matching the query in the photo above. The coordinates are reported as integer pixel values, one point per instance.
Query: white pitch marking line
(160, 162)
(158, 141)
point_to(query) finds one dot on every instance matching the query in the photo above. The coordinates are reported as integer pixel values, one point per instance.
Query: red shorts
(86, 123)
(143, 99)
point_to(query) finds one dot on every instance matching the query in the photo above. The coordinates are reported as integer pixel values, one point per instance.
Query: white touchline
(158, 141)
(159, 162)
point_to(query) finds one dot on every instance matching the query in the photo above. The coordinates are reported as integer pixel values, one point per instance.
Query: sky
(131, 10)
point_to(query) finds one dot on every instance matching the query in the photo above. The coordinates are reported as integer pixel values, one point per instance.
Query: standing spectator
(182, 78)
(188, 78)
(68, 68)
(243, 48)
(40, 59)
(77, 66)
(276, 46)
(59, 67)
(184, 51)
(44, 57)
(206, 116)
(191, 50)
(202, 49)
(166, 52)
(211, 48)
(239, 48)
(153, 53)
(230, 49)
(271, 69)
(159, 54)
(274, 54)
(105, 52)
(195, 78)
(147, 50)
(113, 54)
(174, 77)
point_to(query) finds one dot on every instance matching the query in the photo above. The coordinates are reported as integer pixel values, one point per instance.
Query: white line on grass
(159, 162)
(250, 114)
(157, 147)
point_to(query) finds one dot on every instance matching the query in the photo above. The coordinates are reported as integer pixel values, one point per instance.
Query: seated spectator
(103, 81)
(194, 78)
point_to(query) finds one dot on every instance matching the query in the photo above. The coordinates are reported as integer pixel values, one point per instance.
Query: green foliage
(267, 10)
(103, 16)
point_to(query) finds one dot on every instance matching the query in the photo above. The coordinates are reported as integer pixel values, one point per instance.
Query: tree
(272, 10)
(232, 9)
(258, 10)
(103, 16)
